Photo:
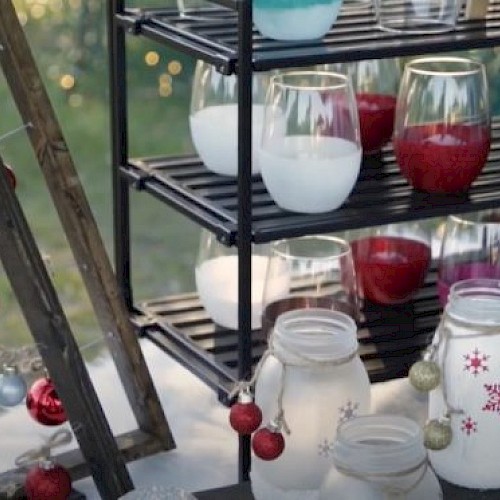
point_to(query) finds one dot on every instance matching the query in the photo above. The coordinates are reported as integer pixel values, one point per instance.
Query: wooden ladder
(101, 454)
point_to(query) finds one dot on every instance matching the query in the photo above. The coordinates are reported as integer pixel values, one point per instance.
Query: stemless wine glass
(200, 10)
(376, 84)
(391, 261)
(319, 272)
(470, 248)
(310, 153)
(442, 129)
(213, 118)
(216, 275)
(417, 16)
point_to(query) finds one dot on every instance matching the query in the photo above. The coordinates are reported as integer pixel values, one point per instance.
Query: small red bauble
(268, 443)
(245, 416)
(43, 403)
(47, 481)
(11, 176)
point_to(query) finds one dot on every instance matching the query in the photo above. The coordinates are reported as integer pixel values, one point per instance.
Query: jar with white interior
(313, 374)
(213, 119)
(380, 457)
(468, 355)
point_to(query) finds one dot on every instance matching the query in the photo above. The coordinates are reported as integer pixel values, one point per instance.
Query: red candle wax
(442, 158)
(390, 269)
(463, 271)
(376, 120)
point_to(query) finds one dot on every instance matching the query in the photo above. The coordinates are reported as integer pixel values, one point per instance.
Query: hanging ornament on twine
(245, 416)
(45, 479)
(427, 375)
(43, 403)
(12, 386)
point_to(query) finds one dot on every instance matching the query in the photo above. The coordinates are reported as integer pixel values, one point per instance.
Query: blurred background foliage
(69, 42)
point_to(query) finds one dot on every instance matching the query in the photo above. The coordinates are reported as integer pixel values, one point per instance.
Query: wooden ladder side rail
(52, 334)
(79, 224)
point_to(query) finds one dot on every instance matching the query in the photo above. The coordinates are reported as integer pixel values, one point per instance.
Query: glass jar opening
(488, 217)
(475, 301)
(374, 444)
(313, 334)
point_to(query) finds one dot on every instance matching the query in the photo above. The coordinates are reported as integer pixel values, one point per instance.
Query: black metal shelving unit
(241, 211)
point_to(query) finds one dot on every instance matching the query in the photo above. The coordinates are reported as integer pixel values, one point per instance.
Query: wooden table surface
(243, 492)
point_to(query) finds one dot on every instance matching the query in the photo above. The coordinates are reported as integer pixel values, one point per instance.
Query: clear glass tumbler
(417, 16)
(319, 272)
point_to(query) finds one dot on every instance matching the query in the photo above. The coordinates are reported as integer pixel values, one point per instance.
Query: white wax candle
(214, 131)
(310, 174)
(217, 285)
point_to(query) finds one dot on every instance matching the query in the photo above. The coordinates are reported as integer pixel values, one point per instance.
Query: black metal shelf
(391, 338)
(354, 36)
(381, 196)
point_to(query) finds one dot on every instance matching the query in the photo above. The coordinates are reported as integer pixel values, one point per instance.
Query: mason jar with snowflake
(311, 380)
(464, 407)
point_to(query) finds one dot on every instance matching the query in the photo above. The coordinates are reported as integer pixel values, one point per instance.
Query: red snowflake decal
(469, 426)
(476, 362)
(493, 403)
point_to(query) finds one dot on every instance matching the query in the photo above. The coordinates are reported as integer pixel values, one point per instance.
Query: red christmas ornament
(268, 442)
(47, 481)
(245, 416)
(43, 403)
(11, 176)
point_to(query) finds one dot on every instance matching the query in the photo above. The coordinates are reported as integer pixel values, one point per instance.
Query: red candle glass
(442, 127)
(391, 262)
(470, 249)
(376, 84)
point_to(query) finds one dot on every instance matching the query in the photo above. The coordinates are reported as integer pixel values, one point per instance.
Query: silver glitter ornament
(425, 375)
(437, 434)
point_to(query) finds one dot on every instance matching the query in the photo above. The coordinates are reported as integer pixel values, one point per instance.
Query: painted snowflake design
(325, 449)
(348, 411)
(475, 363)
(493, 403)
(469, 426)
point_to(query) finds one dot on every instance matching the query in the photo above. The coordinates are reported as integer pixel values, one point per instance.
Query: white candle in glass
(217, 285)
(214, 131)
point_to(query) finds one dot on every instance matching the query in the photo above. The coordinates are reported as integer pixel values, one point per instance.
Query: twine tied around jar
(390, 491)
(302, 360)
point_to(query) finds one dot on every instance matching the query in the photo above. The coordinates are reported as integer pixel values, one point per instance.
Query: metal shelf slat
(381, 196)
(354, 36)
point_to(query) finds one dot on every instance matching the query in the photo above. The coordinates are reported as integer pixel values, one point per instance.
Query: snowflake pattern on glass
(348, 411)
(475, 363)
(469, 426)
(493, 403)
(325, 448)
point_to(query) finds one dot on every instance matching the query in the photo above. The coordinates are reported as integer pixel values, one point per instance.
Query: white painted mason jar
(468, 354)
(380, 457)
(313, 364)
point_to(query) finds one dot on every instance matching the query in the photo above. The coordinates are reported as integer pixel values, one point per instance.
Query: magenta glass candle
(470, 249)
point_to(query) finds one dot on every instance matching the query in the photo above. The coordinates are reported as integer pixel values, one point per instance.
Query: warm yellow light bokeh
(67, 82)
(152, 58)
(174, 67)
